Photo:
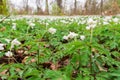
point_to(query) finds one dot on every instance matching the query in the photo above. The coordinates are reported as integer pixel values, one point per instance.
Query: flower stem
(91, 55)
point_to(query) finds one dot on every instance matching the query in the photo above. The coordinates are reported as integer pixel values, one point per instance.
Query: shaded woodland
(59, 7)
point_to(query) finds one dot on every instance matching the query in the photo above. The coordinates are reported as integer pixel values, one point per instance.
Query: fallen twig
(4, 18)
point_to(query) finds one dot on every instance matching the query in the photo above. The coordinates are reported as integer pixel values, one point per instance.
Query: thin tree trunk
(46, 8)
(86, 7)
(94, 7)
(59, 3)
(75, 7)
(39, 9)
(26, 6)
(101, 7)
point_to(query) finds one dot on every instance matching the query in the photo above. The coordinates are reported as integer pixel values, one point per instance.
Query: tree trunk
(39, 9)
(101, 7)
(88, 7)
(26, 6)
(46, 8)
(94, 7)
(59, 3)
(75, 7)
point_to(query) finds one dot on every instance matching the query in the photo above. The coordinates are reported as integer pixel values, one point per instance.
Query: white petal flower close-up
(88, 27)
(116, 20)
(9, 54)
(52, 30)
(65, 37)
(92, 26)
(91, 21)
(108, 18)
(82, 37)
(32, 25)
(105, 23)
(72, 35)
(2, 46)
(15, 42)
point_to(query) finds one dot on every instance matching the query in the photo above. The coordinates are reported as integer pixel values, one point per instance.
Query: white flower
(14, 26)
(32, 25)
(47, 24)
(9, 54)
(105, 23)
(108, 18)
(88, 27)
(2, 46)
(15, 42)
(91, 26)
(72, 35)
(116, 20)
(91, 21)
(82, 37)
(64, 21)
(65, 37)
(52, 30)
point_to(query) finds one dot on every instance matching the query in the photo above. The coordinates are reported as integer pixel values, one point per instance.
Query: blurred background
(60, 7)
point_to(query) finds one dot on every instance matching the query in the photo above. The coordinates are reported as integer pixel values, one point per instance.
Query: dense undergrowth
(83, 48)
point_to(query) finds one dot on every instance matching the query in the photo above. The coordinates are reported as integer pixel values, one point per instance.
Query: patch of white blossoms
(116, 20)
(15, 42)
(52, 30)
(107, 19)
(91, 21)
(65, 37)
(105, 23)
(82, 37)
(91, 24)
(71, 35)
(32, 25)
(2, 46)
(9, 54)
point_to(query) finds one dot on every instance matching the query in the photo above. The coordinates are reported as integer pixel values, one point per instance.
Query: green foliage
(55, 9)
(43, 55)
